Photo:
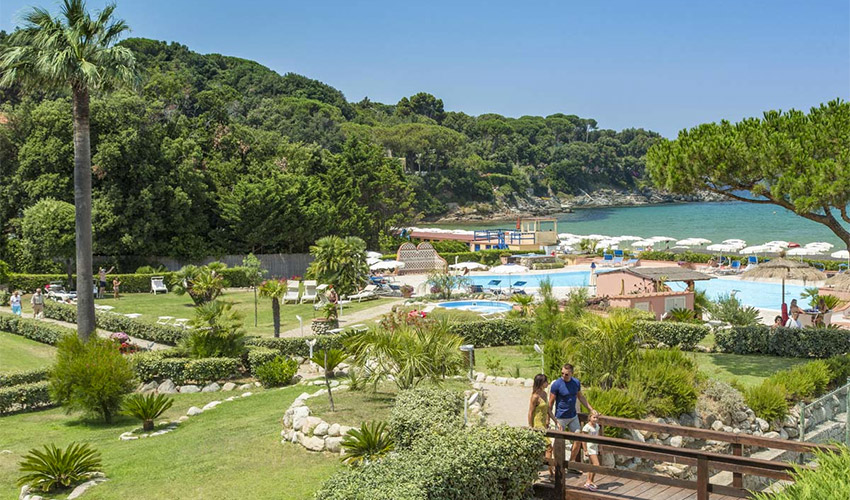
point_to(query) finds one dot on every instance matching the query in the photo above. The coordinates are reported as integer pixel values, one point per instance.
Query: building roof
(656, 273)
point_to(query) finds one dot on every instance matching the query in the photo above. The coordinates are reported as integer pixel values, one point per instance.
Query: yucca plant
(370, 442)
(147, 407)
(329, 359)
(54, 468)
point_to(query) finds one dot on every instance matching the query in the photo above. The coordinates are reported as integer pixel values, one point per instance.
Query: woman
(539, 413)
(15, 302)
(794, 308)
(777, 322)
(822, 310)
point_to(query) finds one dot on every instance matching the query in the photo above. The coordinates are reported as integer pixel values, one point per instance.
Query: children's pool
(479, 306)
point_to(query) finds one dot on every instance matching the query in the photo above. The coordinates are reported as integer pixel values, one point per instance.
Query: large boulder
(149, 387)
(229, 386)
(312, 443)
(194, 411)
(333, 444)
(166, 387)
(298, 416)
(212, 387)
(189, 389)
(309, 424)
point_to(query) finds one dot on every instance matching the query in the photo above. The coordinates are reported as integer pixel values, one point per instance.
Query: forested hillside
(217, 154)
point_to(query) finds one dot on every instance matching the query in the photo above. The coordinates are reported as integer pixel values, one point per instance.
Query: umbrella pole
(783, 290)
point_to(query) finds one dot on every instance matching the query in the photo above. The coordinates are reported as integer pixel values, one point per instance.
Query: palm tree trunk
(82, 219)
(276, 316)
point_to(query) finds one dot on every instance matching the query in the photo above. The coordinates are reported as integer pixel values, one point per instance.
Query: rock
(792, 432)
(321, 429)
(149, 387)
(500, 380)
(245, 387)
(762, 424)
(312, 443)
(333, 430)
(478, 386)
(717, 425)
(79, 490)
(676, 441)
(125, 437)
(309, 424)
(789, 421)
(686, 420)
(782, 434)
(257, 384)
(25, 489)
(298, 416)
(480, 377)
(343, 430)
(333, 444)
(212, 387)
(183, 418)
(231, 398)
(189, 389)
(637, 435)
(709, 419)
(194, 411)
(474, 398)
(211, 405)
(229, 386)
(297, 403)
(490, 379)
(318, 382)
(246, 394)
(740, 416)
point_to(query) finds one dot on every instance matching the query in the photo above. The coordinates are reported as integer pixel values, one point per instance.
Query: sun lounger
(752, 260)
(309, 294)
(133, 315)
(493, 315)
(607, 260)
(491, 287)
(158, 285)
(842, 268)
(293, 289)
(181, 322)
(617, 262)
(164, 320)
(618, 253)
(368, 292)
(631, 263)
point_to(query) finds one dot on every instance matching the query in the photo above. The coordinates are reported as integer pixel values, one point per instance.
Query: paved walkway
(363, 316)
(147, 344)
(504, 404)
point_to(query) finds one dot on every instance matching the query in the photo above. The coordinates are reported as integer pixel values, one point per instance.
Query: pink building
(644, 288)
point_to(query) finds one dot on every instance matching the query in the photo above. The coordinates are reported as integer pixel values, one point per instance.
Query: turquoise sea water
(755, 224)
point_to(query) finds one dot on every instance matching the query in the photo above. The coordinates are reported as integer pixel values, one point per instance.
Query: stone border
(194, 410)
(167, 386)
(97, 478)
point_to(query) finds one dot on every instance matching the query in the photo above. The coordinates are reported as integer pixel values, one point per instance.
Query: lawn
(233, 451)
(19, 353)
(152, 306)
(745, 369)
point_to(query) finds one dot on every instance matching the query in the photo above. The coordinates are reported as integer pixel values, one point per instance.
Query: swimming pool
(751, 293)
(479, 306)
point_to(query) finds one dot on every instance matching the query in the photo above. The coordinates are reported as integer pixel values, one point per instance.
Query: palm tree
(78, 52)
(274, 289)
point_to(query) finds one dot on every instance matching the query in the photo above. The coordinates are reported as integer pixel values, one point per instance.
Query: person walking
(101, 275)
(592, 449)
(37, 302)
(540, 414)
(15, 302)
(562, 396)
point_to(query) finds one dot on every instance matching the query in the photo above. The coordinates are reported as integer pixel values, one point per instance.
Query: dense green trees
(221, 155)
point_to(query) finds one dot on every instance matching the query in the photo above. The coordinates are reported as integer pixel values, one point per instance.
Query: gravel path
(506, 404)
(363, 316)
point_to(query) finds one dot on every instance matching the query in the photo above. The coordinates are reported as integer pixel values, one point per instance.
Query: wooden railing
(703, 460)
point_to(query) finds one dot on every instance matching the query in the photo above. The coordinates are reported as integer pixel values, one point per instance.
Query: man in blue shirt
(562, 397)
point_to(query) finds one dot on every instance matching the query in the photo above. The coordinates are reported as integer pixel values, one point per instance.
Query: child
(115, 285)
(592, 449)
(15, 302)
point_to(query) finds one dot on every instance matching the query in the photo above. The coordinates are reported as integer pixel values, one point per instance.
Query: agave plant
(682, 315)
(147, 407)
(370, 442)
(55, 468)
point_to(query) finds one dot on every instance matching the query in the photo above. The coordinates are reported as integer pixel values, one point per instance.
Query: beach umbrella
(841, 254)
(777, 243)
(820, 244)
(839, 282)
(629, 238)
(596, 237)
(756, 249)
(374, 255)
(804, 251)
(643, 243)
(662, 238)
(472, 266)
(609, 243)
(693, 241)
(784, 269)
(386, 264)
(372, 260)
(734, 241)
(509, 269)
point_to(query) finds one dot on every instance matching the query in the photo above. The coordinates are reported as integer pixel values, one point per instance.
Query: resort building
(529, 234)
(645, 288)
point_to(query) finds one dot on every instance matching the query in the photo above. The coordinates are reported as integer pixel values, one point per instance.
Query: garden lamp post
(310, 344)
(301, 325)
(470, 350)
(539, 350)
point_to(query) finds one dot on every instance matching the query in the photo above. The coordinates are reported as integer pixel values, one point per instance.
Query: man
(37, 302)
(562, 397)
(101, 274)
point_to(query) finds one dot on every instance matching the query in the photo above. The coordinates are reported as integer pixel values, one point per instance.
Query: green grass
(745, 369)
(354, 407)
(19, 353)
(152, 306)
(233, 451)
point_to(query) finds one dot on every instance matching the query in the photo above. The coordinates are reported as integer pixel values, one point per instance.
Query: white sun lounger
(309, 294)
(158, 285)
(293, 290)
(164, 320)
(368, 292)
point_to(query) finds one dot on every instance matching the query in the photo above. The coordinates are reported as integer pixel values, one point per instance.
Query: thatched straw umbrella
(785, 269)
(839, 282)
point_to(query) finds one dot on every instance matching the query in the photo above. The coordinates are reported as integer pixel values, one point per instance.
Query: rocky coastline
(533, 206)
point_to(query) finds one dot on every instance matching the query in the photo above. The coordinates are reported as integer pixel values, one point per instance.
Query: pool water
(479, 306)
(750, 293)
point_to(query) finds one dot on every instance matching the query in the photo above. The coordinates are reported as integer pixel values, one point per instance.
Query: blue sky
(663, 65)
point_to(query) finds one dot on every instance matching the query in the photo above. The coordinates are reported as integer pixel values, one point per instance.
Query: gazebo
(838, 285)
(644, 288)
(784, 269)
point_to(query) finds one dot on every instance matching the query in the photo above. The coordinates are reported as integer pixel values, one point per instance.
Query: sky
(661, 65)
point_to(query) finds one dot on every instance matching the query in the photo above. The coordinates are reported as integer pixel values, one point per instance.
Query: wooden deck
(611, 487)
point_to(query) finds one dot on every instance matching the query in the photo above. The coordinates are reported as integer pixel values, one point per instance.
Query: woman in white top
(794, 321)
(15, 302)
(592, 449)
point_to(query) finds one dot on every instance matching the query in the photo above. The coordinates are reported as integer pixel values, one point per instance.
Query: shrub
(154, 365)
(767, 400)
(162, 334)
(370, 442)
(295, 346)
(547, 265)
(260, 355)
(276, 373)
(38, 331)
(23, 377)
(616, 402)
(4, 298)
(729, 309)
(668, 379)
(683, 335)
(786, 342)
(147, 407)
(480, 463)
(57, 469)
(828, 480)
(203, 284)
(206, 370)
(726, 398)
(92, 376)
(25, 397)
(804, 381)
(217, 332)
(421, 412)
(492, 333)
(839, 369)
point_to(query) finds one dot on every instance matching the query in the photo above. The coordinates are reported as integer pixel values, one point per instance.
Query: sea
(717, 221)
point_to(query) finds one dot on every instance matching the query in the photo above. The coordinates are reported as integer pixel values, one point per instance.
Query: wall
(611, 283)
(655, 301)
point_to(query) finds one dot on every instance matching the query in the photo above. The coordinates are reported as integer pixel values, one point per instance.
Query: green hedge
(259, 356)
(699, 258)
(683, 335)
(483, 463)
(40, 331)
(130, 283)
(24, 397)
(492, 333)
(424, 411)
(295, 346)
(548, 265)
(785, 342)
(23, 377)
(155, 365)
(162, 334)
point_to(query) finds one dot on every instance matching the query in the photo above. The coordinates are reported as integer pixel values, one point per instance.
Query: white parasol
(386, 264)
(841, 254)
(472, 266)
(374, 255)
